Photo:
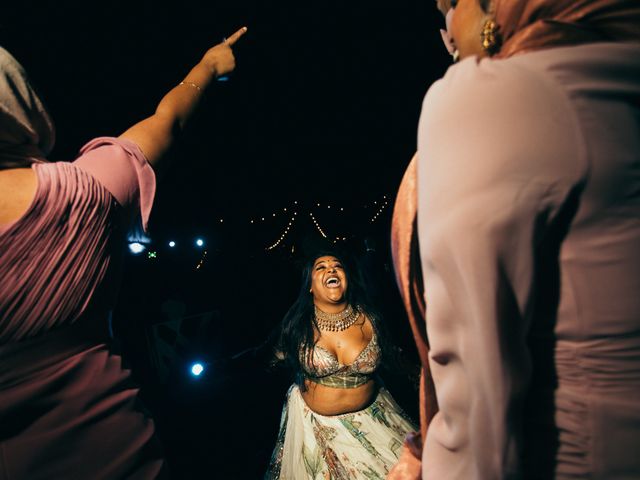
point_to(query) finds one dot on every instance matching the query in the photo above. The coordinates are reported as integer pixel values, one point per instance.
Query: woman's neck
(329, 307)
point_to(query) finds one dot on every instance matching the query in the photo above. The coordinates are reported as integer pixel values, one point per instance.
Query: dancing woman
(338, 419)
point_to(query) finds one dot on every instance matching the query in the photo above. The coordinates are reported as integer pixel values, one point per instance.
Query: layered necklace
(337, 322)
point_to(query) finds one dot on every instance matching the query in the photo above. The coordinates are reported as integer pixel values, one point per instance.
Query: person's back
(530, 246)
(527, 181)
(585, 344)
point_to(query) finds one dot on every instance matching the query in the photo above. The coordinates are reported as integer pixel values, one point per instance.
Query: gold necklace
(336, 322)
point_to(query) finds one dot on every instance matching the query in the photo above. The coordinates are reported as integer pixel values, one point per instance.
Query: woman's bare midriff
(336, 401)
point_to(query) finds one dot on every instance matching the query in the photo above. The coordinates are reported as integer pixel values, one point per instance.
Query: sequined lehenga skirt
(358, 445)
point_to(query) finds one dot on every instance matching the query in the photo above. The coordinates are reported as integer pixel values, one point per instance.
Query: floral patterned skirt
(358, 445)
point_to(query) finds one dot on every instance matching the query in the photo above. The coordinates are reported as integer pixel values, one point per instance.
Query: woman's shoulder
(493, 87)
(494, 97)
(502, 115)
(120, 166)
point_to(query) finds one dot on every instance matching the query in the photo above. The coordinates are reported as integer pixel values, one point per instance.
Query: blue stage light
(196, 369)
(136, 248)
(199, 242)
(172, 244)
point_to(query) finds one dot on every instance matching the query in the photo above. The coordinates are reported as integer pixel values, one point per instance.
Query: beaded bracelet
(191, 84)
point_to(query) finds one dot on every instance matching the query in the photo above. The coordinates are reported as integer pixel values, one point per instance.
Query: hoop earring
(490, 37)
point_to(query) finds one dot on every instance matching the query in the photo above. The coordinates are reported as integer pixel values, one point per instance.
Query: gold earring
(490, 37)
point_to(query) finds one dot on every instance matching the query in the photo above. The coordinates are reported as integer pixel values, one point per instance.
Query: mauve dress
(68, 408)
(529, 243)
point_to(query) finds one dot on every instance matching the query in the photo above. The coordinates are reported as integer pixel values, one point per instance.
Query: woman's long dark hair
(297, 328)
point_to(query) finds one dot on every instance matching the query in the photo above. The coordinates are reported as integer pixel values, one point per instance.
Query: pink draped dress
(67, 405)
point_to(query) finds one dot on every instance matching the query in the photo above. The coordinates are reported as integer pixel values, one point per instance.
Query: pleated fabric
(68, 407)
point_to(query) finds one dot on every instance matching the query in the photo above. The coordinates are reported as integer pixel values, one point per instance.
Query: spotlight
(172, 244)
(196, 369)
(199, 242)
(136, 248)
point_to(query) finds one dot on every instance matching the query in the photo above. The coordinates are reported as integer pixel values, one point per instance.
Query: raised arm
(155, 134)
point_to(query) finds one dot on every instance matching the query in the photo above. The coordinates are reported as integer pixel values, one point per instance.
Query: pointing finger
(234, 38)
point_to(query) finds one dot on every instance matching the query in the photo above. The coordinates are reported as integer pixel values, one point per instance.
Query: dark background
(322, 110)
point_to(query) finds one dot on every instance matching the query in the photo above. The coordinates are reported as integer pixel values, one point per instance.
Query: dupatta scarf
(26, 129)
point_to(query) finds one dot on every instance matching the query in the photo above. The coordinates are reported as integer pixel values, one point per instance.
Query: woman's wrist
(201, 75)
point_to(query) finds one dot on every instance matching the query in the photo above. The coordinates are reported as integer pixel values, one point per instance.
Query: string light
(202, 259)
(315, 222)
(285, 210)
(380, 210)
(290, 210)
(284, 233)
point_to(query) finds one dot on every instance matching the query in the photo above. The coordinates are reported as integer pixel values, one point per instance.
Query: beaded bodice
(323, 367)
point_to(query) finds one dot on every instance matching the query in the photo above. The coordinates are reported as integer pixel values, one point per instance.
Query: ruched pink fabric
(67, 405)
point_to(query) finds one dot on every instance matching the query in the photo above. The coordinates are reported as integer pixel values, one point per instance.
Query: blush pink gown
(528, 241)
(67, 405)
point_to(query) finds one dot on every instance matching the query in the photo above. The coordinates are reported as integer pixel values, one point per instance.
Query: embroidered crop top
(323, 367)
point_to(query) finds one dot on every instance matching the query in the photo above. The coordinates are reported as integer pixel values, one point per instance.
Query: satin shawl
(535, 24)
(26, 130)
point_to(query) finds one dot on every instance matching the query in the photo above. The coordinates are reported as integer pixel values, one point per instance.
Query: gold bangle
(191, 84)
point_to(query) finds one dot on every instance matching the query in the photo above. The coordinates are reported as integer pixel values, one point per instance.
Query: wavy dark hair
(297, 327)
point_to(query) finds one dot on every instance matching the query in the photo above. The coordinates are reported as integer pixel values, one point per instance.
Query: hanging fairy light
(273, 214)
(202, 259)
(283, 235)
(315, 222)
(380, 210)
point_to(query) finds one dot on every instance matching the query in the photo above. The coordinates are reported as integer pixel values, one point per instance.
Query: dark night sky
(323, 106)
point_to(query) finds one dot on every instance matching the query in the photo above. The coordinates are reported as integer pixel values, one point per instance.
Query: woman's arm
(156, 134)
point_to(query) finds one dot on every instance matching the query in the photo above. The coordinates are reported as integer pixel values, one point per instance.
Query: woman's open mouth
(332, 282)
